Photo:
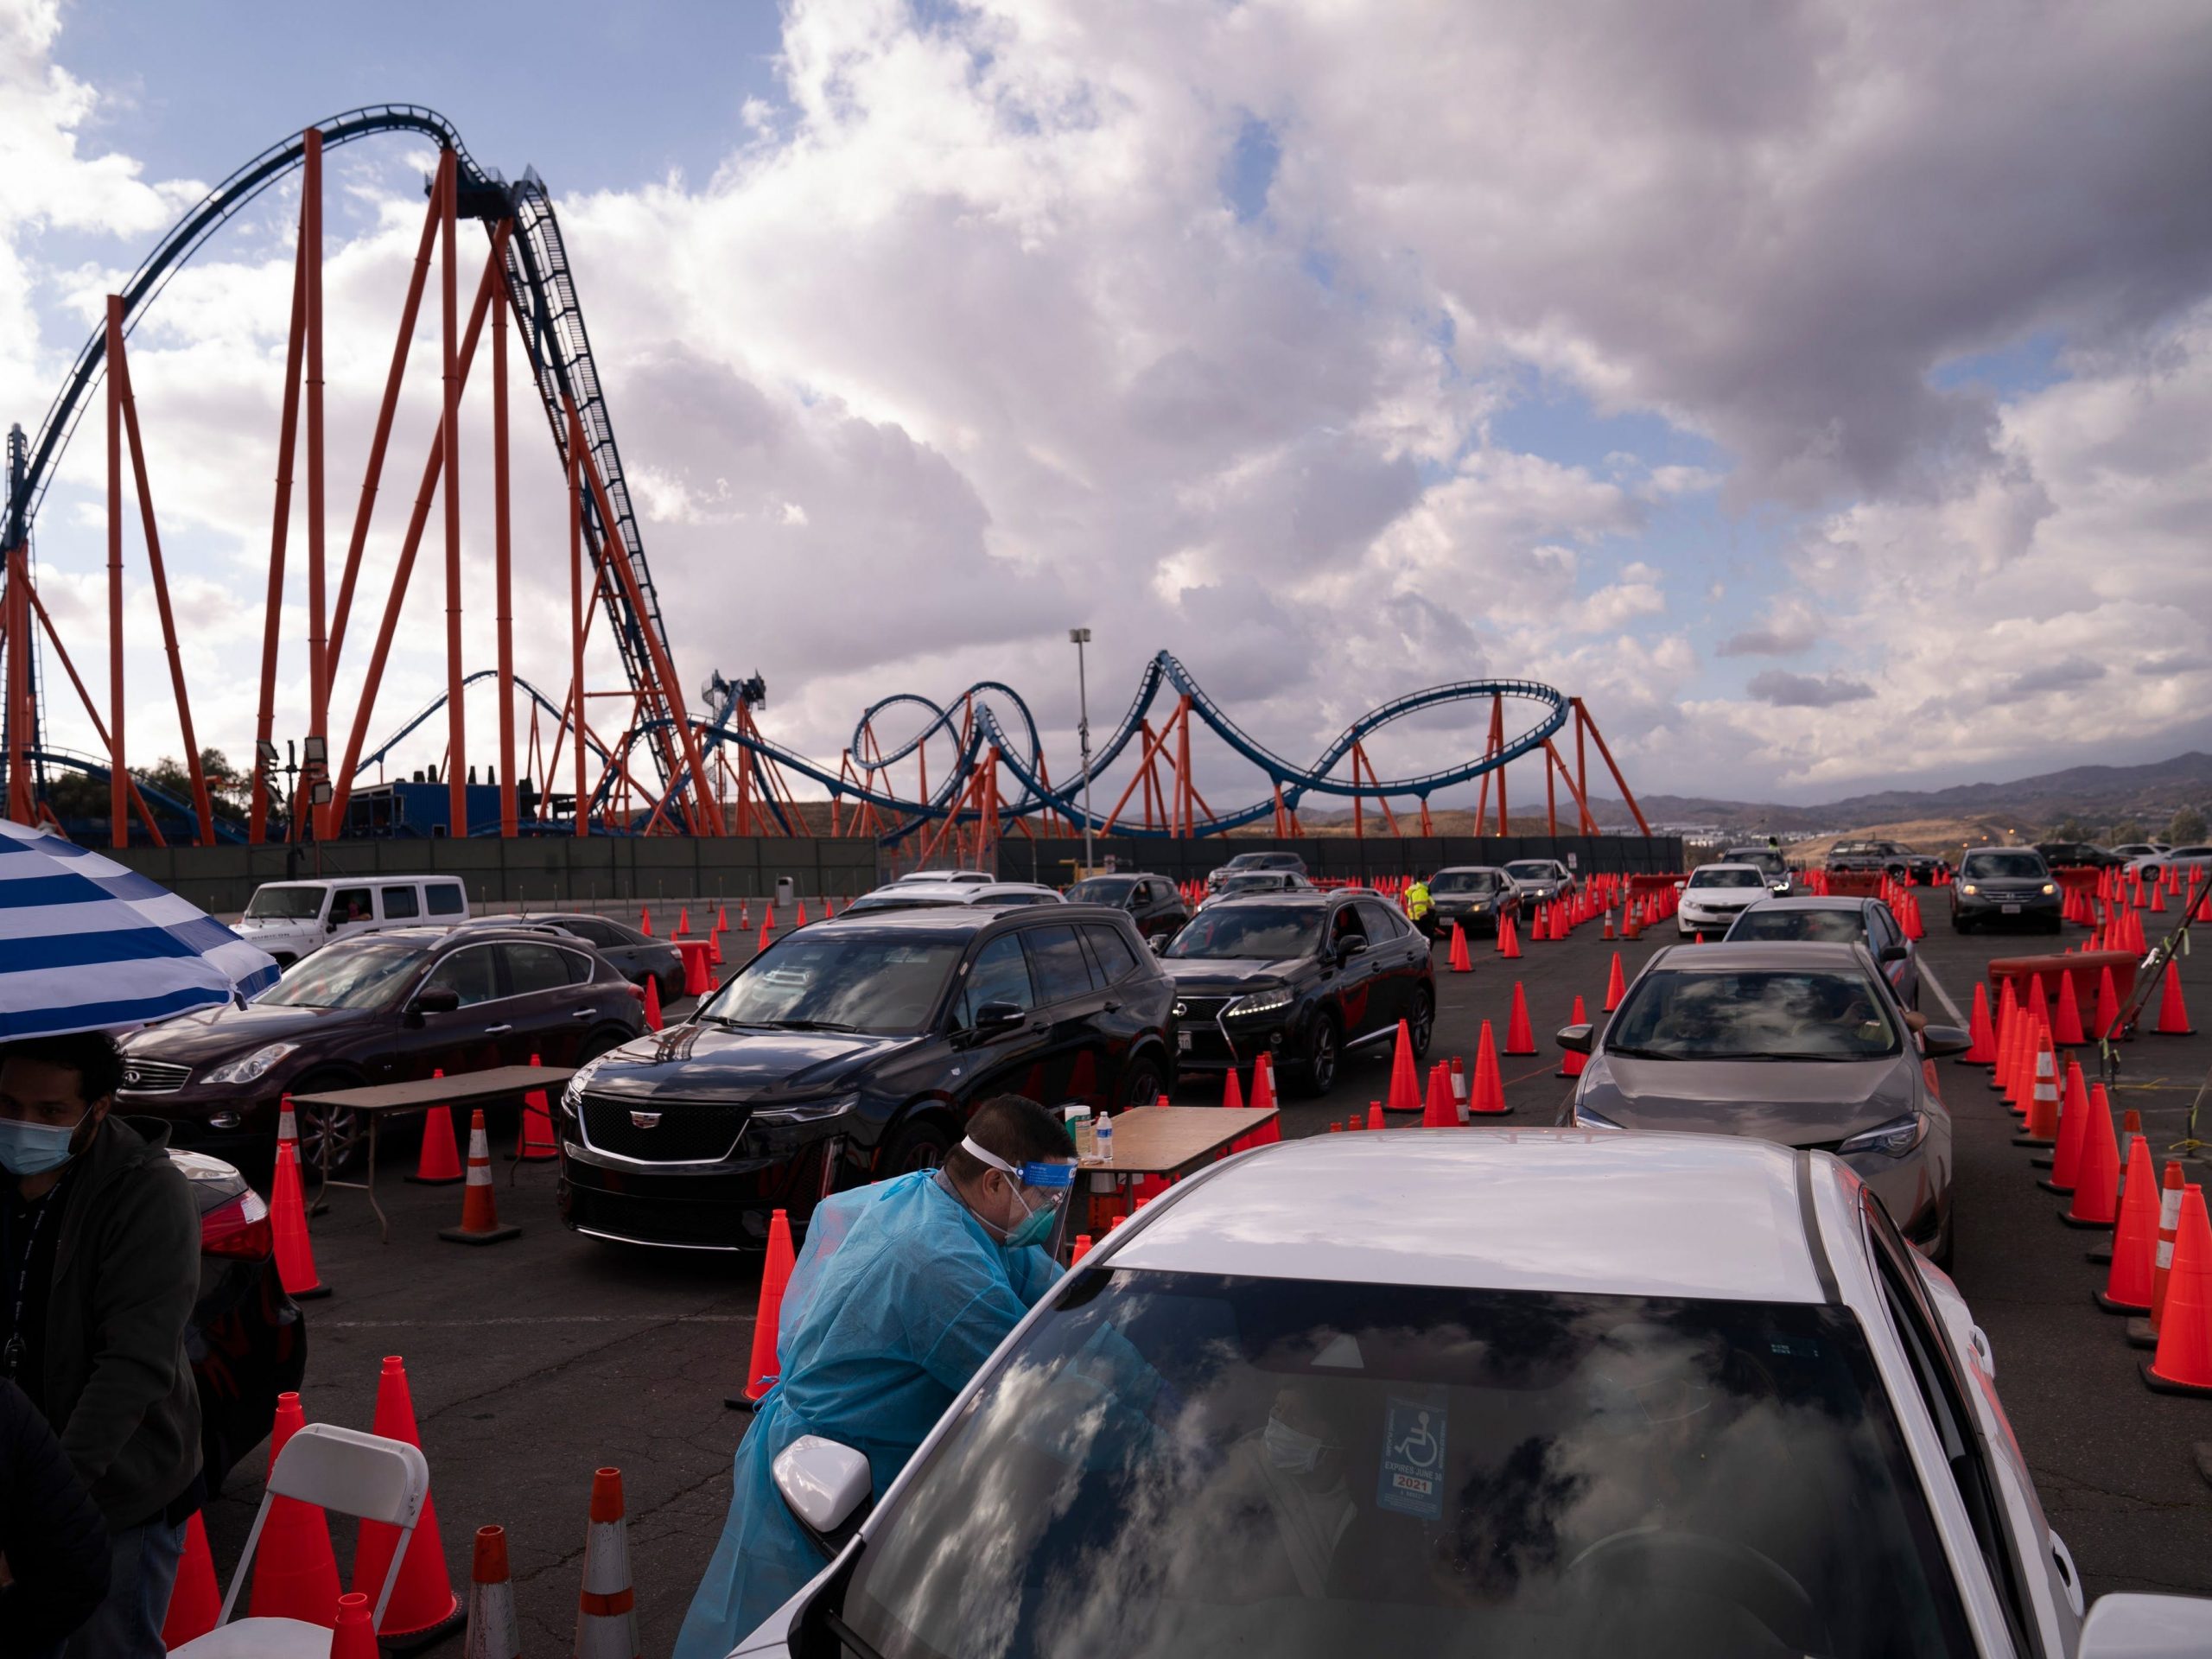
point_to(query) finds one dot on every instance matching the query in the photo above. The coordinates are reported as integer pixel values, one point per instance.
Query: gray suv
(2004, 886)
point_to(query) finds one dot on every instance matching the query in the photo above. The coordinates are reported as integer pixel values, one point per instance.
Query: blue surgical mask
(1291, 1450)
(34, 1148)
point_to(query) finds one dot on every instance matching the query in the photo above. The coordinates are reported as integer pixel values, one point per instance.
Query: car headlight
(1895, 1138)
(253, 1066)
(573, 1096)
(1968, 888)
(1259, 1002)
(810, 1111)
(1587, 1119)
(2050, 886)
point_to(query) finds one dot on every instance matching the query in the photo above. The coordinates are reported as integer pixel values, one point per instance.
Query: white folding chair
(365, 1476)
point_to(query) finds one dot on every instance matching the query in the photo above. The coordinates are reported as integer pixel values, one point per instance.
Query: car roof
(1549, 1209)
(1745, 955)
(1727, 864)
(1814, 901)
(1472, 870)
(1301, 896)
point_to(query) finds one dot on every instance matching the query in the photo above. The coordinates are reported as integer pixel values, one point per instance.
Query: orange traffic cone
(1519, 1039)
(287, 1224)
(1232, 1092)
(440, 1162)
(1486, 1096)
(423, 1606)
(2143, 1332)
(1460, 961)
(1082, 1247)
(1374, 1117)
(2096, 1183)
(295, 1573)
(653, 1020)
(1459, 1076)
(2039, 1003)
(2007, 1011)
(800, 919)
(2066, 1027)
(1263, 1084)
(2073, 1125)
(194, 1601)
(722, 919)
(2041, 1128)
(606, 1609)
(353, 1638)
(1983, 1051)
(1441, 1112)
(767, 931)
(1571, 1062)
(1405, 1084)
(683, 923)
(1615, 987)
(479, 1210)
(645, 920)
(1509, 940)
(534, 1139)
(492, 1632)
(2135, 1242)
(776, 1273)
(2184, 1362)
(768, 916)
(2173, 1018)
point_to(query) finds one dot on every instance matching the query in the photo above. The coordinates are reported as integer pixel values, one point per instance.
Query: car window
(284, 903)
(831, 979)
(1056, 957)
(532, 967)
(1346, 924)
(1885, 929)
(1247, 930)
(999, 974)
(364, 972)
(1837, 926)
(1109, 951)
(445, 898)
(1686, 1014)
(470, 972)
(399, 902)
(591, 930)
(2003, 866)
(352, 905)
(1382, 921)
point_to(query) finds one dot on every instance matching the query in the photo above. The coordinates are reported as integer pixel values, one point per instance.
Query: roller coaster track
(540, 288)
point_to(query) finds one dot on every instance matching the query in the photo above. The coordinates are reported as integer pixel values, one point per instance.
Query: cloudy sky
(1818, 390)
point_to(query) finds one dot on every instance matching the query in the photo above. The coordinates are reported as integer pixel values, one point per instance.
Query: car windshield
(1836, 926)
(1101, 890)
(351, 974)
(1687, 1014)
(1738, 877)
(2003, 866)
(1175, 1464)
(1771, 863)
(1253, 881)
(1464, 881)
(1270, 932)
(1534, 869)
(284, 903)
(836, 980)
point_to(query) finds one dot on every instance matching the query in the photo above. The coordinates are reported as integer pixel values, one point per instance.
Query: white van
(290, 919)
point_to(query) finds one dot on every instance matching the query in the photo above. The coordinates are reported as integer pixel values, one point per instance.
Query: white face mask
(1291, 1450)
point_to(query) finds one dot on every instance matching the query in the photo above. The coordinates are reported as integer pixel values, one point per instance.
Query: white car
(1330, 1398)
(914, 895)
(2182, 860)
(1715, 895)
(291, 920)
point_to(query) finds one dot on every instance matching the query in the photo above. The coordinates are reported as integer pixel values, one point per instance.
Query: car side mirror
(826, 1486)
(1896, 952)
(2128, 1625)
(1936, 1041)
(1351, 947)
(1574, 1038)
(997, 1016)
(1159, 942)
(331, 927)
(1679, 886)
(435, 999)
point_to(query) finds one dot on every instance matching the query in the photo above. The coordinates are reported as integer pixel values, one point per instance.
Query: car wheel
(2052, 924)
(1960, 925)
(1141, 1084)
(346, 1132)
(1317, 1067)
(1422, 1021)
(916, 1145)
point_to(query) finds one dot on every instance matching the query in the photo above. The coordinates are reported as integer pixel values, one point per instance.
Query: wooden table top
(490, 1084)
(1160, 1140)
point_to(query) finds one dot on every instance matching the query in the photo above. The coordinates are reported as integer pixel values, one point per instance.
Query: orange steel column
(311, 253)
(119, 788)
(20, 806)
(1498, 735)
(576, 607)
(502, 554)
(449, 299)
(279, 530)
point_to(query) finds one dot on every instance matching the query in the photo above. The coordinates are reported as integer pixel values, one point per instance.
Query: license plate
(2008, 910)
(1183, 1038)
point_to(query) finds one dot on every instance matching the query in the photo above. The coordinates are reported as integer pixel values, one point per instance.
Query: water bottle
(1102, 1134)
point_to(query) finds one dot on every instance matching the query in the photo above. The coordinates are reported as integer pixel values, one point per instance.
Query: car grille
(1193, 1011)
(154, 1076)
(658, 1221)
(687, 1132)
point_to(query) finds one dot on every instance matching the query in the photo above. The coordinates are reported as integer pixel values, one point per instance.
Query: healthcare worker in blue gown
(902, 1291)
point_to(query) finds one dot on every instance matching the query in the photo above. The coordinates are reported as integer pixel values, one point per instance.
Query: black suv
(854, 1050)
(2079, 855)
(379, 1007)
(1252, 864)
(1302, 976)
(637, 956)
(1152, 901)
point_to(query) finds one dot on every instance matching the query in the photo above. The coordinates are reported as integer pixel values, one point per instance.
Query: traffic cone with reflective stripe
(1519, 1039)
(1615, 987)
(1439, 1113)
(2182, 1363)
(439, 1165)
(1405, 1084)
(2173, 1018)
(353, 1638)
(1459, 1077)
(2143, 1332)
(1983, 1050)
(1486, 1097)
(1572, 1061)
(761, 1373)
(1460, 961)
(2135, 1241)
(295, 1573)
(479, 1210)
(606, 1611)
(288, 1217)
(423, 1606)
(196, 1602)
(2067, 1025)
(2073, 1124)
(534, 1139)
(2039, 1003)
(492, 1632)
(2096, 1183)
(2041, 1128)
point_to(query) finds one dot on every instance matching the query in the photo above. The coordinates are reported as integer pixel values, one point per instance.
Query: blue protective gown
(897, 1298)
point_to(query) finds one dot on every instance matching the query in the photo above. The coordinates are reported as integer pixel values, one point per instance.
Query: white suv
(291, 920)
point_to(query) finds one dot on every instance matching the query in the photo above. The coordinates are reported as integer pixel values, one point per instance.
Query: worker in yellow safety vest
(1418, 905)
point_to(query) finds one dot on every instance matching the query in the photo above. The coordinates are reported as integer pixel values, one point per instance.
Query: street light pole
(1080, 637)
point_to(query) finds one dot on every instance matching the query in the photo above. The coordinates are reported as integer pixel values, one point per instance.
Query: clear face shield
(1042, 1188)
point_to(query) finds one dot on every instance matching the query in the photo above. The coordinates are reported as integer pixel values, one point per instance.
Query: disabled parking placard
(1412, 1478)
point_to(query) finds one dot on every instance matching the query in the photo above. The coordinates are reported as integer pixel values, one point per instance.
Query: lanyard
(11, 1357)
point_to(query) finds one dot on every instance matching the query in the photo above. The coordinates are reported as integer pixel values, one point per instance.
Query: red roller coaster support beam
(449, 438)
(118, 369)
(279, 530)
(318, 640)
(119, 779)
(577, 610)
(1582, 718)
(502, 563)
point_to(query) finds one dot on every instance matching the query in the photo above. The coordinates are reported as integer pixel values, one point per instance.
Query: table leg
(369, 1183)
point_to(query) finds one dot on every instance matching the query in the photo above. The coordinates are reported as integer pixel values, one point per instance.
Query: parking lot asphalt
(535, 1362)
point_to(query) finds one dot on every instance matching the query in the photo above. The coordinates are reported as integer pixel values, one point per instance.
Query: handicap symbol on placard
(1413, 1459)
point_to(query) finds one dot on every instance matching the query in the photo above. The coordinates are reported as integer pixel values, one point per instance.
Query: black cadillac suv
(1301, 977)
(854, 1050)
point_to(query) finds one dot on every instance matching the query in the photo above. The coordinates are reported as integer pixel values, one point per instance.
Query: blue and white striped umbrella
(88, 945)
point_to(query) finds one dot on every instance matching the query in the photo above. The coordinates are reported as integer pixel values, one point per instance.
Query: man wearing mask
(99, 1267)
(903, 1290)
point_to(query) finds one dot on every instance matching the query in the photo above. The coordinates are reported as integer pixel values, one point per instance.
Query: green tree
(2187, 825)
(2072, 828)
(2126, 831)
